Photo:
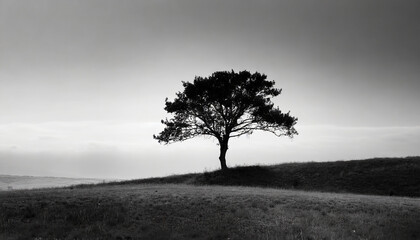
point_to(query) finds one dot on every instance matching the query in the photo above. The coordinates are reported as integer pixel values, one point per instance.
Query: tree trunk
(223, 150)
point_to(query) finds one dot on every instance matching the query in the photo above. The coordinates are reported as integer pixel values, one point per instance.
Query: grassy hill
(380, 176)
(179, 211)
(192, 206)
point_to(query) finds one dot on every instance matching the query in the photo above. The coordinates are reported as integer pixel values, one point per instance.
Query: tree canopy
(225, 105)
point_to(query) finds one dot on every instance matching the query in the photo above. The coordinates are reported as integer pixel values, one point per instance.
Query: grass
(191, 206)
(177, 211)
(380, 176)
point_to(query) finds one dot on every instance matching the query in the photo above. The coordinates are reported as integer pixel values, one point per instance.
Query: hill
(156, 208)
(379, 176)
(179, 211)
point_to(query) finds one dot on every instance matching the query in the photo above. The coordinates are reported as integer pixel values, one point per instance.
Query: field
(179, 211)
(379, 176)
(364, 199)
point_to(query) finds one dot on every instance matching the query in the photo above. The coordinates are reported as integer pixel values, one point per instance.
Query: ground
(179, 211)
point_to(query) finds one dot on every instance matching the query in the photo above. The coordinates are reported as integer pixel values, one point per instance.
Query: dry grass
(379, 176)
(203, 212)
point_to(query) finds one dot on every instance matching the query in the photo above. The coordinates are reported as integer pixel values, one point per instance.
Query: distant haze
(83, 82)
(8, 182)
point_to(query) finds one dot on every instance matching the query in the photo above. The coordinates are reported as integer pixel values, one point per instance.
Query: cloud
(76, 136)
(127, 149)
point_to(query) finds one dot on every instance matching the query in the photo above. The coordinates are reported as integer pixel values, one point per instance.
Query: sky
(83, 82)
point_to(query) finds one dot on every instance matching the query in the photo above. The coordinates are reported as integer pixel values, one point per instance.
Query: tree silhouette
(225, 105)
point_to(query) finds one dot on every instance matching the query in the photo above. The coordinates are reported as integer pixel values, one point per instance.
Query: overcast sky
(83, 82)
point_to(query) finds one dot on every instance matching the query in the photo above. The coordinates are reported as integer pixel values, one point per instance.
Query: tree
(225, 105)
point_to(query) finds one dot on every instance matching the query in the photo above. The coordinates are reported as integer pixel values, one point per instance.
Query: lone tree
(225, 105)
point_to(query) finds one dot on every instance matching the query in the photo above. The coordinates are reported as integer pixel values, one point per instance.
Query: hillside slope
(169, 211)
(379, 176)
